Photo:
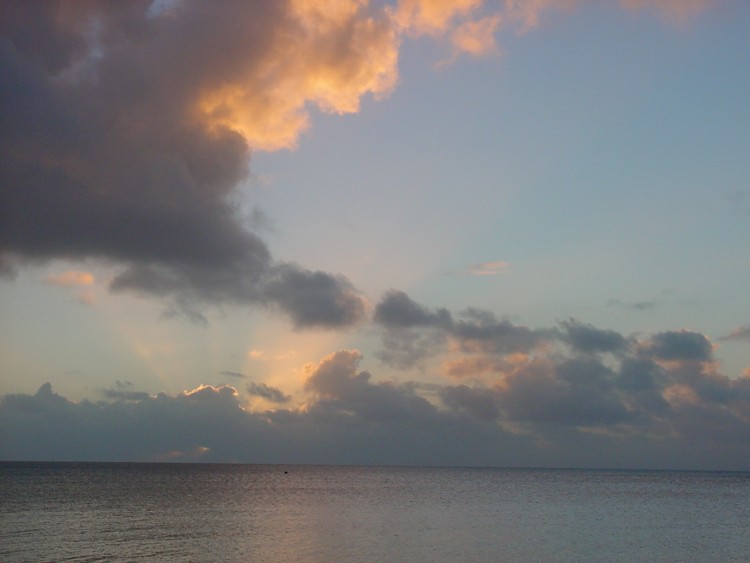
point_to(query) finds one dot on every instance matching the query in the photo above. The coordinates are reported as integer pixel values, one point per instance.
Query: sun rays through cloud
(262, 225)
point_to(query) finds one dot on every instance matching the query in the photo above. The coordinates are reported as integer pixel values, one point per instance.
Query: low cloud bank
(572, 411)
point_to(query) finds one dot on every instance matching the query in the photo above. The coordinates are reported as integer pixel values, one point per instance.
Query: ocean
(203, 512)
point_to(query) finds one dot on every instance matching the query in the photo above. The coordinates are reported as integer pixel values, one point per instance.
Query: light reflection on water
(97, 512)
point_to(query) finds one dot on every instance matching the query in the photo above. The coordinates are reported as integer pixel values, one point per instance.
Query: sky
(411, 232)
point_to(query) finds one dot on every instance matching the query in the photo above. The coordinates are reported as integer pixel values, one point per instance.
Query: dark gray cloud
(480, 403)
(397, 310)
(588, 339)
(267, 392)
(107, 151)
(235, 374)
(404, 348)
(575, 392)
(314, 298)
(123, 391)
(643, 383)
(679, 345)
(342, 389)
(574, 376)
(413, 332)
(209, 424)
(479, 329)
(571, 412)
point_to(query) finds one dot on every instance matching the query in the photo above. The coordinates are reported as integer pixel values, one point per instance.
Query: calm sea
(177, 512)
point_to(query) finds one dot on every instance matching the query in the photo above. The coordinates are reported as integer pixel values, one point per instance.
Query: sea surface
(201, 512)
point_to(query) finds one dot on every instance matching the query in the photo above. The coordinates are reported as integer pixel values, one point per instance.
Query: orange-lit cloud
(328, 54)
(431, 17)
(79, 279)
(72, 278)
(477, 37)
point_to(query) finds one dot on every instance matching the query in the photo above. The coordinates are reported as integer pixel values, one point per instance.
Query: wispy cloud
(528, 13)
(477, 37)
(234, 374)
(633, 305)
(267, 392)
(739, 334)
(494, 268)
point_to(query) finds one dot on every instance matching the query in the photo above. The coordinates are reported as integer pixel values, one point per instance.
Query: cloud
(340, 388)
(479, 403)
(130, 129)
(72, 278)
(635, 306)
(397, 309)
(413, 332)
(557, 375)
(432, 17)
(486, 269)
(481, 330)
(578, 392)
(546, 411)
(267, 392)
(123, 395)
(589, 339)
(678, 345)
(75, 278)
(234, 374)
(129, 126)
(528, 12)
(314, 298)
(739, 334)
(127, 131)
(477, 37)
